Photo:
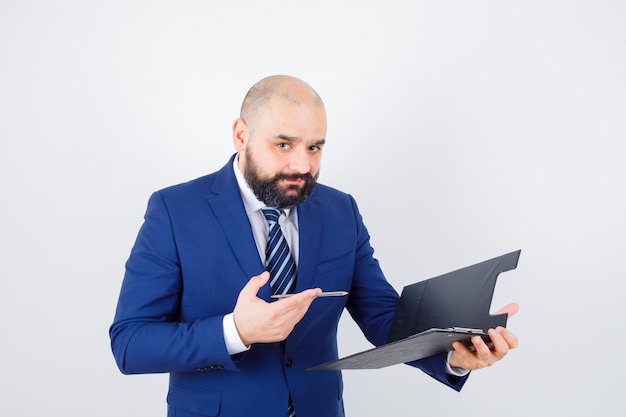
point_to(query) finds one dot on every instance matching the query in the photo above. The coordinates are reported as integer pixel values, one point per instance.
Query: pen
(324, 294)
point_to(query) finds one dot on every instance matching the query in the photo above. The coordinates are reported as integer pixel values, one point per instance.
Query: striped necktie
(278, 260)
(279, 263)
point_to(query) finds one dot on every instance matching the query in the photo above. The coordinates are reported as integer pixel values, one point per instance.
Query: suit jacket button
(289, 363)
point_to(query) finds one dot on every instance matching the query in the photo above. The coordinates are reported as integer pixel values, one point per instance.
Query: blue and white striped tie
(278, 261)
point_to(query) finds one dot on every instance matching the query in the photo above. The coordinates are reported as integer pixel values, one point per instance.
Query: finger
(308, 297)
(500, 345)
(463, 356)
(510, 339)
(311, 294)
(482, 350)
(289, 311)
(298, 303)
(255, 283)
(509, 309)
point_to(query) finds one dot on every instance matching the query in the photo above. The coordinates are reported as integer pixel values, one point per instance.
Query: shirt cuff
(453, 370)
(233, 342)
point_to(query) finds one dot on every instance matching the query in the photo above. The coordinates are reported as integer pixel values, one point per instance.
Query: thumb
(255, 283)
(509, 309)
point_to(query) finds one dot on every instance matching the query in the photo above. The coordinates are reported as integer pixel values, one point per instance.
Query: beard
(270, 192)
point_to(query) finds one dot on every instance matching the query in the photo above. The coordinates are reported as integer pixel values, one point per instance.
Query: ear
(241, 134)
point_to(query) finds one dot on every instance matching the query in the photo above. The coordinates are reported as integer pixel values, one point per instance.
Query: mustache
(293, 177)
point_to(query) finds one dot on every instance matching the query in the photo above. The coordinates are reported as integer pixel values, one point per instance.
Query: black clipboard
(434, 313)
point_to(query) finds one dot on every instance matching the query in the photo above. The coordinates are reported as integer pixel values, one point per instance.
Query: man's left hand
(482, 355)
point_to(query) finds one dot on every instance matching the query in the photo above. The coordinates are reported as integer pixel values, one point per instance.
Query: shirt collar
(250, 202)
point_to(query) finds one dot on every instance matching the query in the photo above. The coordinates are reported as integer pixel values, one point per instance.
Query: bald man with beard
(195, 301)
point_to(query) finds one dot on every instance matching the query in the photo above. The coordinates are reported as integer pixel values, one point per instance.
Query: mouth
(294, 181)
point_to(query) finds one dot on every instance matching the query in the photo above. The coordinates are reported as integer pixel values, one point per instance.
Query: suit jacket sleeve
(370, 288)
(146, 336)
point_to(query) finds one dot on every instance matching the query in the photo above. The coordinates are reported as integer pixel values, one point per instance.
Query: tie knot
(271, 214)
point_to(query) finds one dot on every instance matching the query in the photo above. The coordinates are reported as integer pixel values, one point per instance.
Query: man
(196, 302)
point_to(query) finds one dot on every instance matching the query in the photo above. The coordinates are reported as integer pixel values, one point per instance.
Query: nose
(299, 162)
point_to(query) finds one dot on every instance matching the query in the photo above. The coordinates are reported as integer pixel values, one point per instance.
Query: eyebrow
(297, 139)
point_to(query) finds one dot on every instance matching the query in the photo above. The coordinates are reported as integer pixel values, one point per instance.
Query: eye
(284, 145)
(315, 148)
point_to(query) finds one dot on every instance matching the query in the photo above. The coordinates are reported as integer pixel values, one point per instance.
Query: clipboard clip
(467, 330)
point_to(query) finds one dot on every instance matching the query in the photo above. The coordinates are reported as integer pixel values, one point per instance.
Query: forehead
(293, 117)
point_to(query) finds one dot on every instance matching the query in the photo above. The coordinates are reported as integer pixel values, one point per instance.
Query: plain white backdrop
(464, 129)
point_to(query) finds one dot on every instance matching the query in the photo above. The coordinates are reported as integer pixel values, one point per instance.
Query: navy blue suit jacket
(193, 255)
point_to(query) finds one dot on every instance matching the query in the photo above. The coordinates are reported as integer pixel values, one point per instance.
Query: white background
(464, 129)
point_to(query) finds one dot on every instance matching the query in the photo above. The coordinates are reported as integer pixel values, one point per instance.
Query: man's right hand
(258, 321)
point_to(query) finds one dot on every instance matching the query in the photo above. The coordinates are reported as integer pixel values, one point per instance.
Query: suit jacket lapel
(309, 231)
(225, 201)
